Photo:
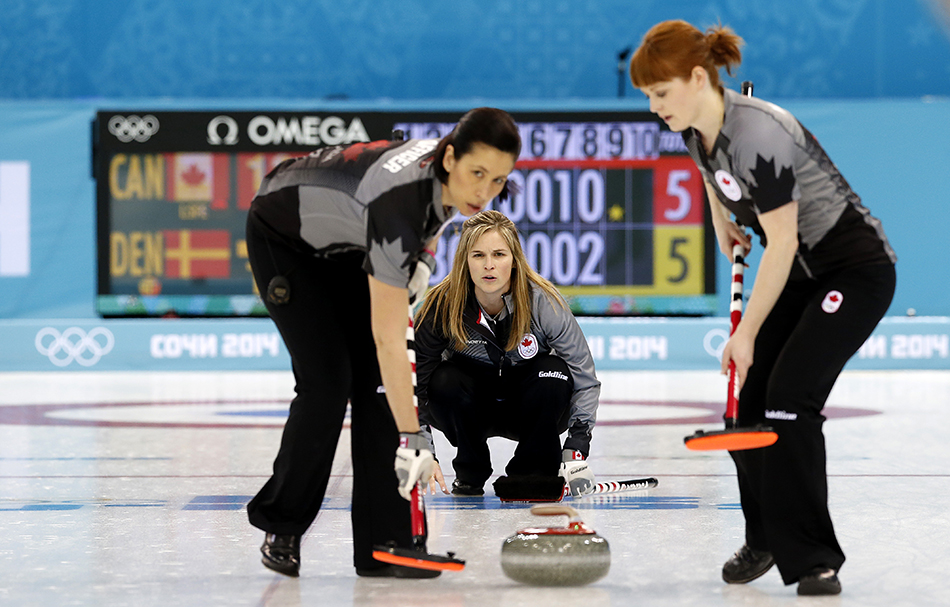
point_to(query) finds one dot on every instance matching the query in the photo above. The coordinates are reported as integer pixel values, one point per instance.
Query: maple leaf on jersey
(353, 152)
(193, 176)
(772, 185)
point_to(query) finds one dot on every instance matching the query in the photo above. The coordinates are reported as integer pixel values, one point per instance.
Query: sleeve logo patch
(832, 302)
(728, 184)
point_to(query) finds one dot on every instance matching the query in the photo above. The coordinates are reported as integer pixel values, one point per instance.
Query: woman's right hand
(437, 478)
(727, 230)
(731, 233)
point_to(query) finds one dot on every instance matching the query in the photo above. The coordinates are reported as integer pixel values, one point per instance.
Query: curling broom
(631, 484)
(733, 438)
(418, 556)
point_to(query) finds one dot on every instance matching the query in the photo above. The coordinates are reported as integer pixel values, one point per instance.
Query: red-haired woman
(825, 279)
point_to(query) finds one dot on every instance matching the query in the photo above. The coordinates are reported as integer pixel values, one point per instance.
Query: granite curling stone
(558, 556)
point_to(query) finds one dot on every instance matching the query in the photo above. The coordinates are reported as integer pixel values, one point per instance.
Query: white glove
(414, 462)
(576, 473)
(420, 277)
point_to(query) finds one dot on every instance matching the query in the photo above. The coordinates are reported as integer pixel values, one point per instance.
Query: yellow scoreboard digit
(678, 267)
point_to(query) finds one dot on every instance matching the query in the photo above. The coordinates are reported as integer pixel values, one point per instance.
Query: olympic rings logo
(715, 342)
(133, 127)
(74, 344)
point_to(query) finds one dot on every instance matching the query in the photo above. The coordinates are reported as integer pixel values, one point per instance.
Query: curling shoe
(281, 553)
(460, 487)
(746, 565)
(819, 581)
(397, 571)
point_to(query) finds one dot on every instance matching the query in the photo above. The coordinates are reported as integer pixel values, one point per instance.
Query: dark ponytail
(486, 125)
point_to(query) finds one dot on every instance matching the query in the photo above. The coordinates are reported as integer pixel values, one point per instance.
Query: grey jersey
(381, 198)
(554, 330)
(763, 159)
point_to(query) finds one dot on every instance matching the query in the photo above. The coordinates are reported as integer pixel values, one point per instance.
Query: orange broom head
(418, 560)
(731, 440)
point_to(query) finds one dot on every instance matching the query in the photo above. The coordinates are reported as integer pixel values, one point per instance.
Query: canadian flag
(199, 177)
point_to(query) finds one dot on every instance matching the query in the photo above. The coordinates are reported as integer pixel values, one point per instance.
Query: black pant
(326, 328)
(529, 403)
(799, 353)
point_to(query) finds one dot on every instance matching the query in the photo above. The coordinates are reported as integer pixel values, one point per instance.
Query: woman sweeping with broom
(825, 279)
(336, 241)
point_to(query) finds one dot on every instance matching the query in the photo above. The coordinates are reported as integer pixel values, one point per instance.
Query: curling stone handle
(554, 510)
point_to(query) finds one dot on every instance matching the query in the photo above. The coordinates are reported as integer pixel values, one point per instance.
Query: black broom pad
(529, 488)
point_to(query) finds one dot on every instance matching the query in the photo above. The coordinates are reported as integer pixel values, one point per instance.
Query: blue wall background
(419, 49)
(871, 78)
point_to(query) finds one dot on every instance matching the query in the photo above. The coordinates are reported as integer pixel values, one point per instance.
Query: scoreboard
(609, 206)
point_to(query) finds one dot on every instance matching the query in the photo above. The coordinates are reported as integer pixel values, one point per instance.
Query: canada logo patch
(832, 302)
(528, 346)
(728, 184)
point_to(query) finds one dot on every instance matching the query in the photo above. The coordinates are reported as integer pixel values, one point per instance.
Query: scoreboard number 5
(675, 189)
(677, 192)
(677, 256)
(678, 260)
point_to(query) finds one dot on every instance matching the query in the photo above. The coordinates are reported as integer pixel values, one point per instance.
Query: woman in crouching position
(499, 353)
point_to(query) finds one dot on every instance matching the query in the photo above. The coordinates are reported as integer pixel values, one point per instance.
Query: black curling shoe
(746, 565)
(460, 487)
(819, 581)
(281, 553)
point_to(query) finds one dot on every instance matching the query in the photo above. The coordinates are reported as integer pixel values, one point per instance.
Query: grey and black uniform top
(554, 330)
(763, 159)
(380, 198)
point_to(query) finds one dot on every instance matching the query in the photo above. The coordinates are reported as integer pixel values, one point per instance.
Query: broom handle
(735, 315)
(735, 312)
(417, 517)
(417, 505)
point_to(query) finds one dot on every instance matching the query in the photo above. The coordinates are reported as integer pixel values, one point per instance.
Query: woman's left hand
(437, 478)
(739, 349)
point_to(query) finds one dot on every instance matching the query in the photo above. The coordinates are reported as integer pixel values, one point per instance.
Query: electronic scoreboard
(610, 207)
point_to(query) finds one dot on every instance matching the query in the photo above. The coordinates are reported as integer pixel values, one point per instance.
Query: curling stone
(557, 556)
